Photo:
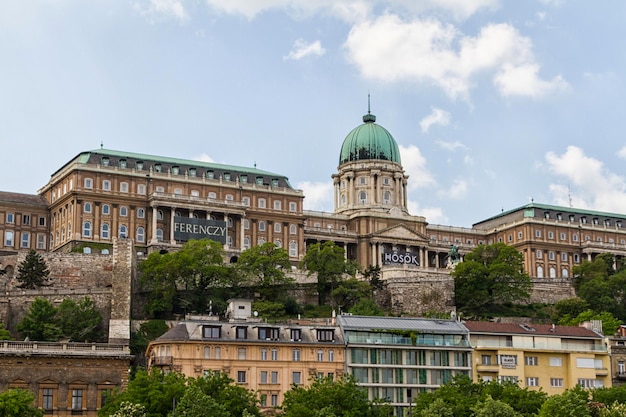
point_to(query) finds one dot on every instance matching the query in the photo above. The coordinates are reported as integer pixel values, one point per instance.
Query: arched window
(87, 229)
(246, 242)
(387, 197)
(87, 207)
(141, 213)
(159, 235)
(262, 226)
(293, 248)
(230, 221)
(363, 197)
(140, 235)
(276, 227)
(293, 229)
(123, 211)
(260, 241)
(343, 199)
(246, 224)
(261, 203)
(278, 243)
(159, 214)
(123, 231)
(212, 195)
(552, 272)
(565, 273)
(540, 272)
(104, 231)
(106, 209)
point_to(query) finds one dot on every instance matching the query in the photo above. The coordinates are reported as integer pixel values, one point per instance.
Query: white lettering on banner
(405, 258)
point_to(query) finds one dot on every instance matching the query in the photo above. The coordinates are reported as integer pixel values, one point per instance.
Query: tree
(570, 307)
(328, 261)
(156, 391)
(265, 266)
(236, 399)
(328, 397)
(18, 403)
(494, 408)
(437, 408)
(196, 267)
(490, 275)
(80, 322)
(40, 322)
(196, 403)
(572, 402)
(349, 292)
(128, 409)
(609, 323)
(33, 272)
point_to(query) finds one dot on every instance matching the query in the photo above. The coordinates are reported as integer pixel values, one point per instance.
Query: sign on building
(187, 228)
(401, 258)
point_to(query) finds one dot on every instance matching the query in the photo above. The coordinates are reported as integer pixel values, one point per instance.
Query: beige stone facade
(265, 358)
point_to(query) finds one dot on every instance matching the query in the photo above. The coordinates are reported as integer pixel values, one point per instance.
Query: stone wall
(550, 291)
(417, 291)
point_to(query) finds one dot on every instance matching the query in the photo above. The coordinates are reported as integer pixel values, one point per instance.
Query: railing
(65, 348)
(162, 360)
(393, 339)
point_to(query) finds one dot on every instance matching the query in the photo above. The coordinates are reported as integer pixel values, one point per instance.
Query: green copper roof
(369, 141)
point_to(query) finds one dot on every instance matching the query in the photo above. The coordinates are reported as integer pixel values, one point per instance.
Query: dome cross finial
(369, 117)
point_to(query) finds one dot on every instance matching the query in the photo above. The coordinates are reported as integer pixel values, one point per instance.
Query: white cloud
(436, 117)
(318, 195)
(203, 158)
(302, 49)
(414, 165)
(432, 214)
(622, 153)
(468, 160)
(450, 146)
(457, 190)
(429, 51)
(590, 184)
(523, 80)
(163, 8)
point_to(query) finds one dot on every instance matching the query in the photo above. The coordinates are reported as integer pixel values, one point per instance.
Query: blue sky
(493, 103)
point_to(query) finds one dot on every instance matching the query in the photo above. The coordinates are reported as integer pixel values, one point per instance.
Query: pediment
(400, 232)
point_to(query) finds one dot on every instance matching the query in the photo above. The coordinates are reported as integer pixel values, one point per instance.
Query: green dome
(369, 141)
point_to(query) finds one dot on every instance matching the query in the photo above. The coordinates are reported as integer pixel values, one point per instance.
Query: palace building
(161, 202)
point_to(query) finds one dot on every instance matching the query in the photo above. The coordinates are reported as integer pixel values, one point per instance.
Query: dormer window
(226, 176)
(210, 175)
(175, 170)
(325, 335)
(139, 165)
(242, 332)
(158, 168)
(123, 163)
(105, 161)
(211, 332)
(192, 172)
(269, 333)
(295, 335)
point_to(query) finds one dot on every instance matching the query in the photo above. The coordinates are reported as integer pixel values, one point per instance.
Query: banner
(187, 228)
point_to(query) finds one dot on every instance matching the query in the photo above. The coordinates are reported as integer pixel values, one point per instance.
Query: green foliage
(161, 393)
(572, 403)
(493, 408)
(147, 332)
(366, 307)
(18, 403)
(437, 408)
(326, 397)
(80, 322)
(488, 276)
(462, 397)
(5, 334)
(269, 310)
(33, 272)
(236, 399)
(40, 323)
(372, 275)
(610, 395)
(328, 261)
(197, 267)
(614, 410)
(349, 292)
(265, 267)
(571, 307)
(128, 409)
(196, 403)
(155, 391)
(609, 323)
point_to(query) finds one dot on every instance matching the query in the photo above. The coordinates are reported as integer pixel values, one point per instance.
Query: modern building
(66, 379)
(538, 356)
(265, 358)
(397, 358)
(617, 349)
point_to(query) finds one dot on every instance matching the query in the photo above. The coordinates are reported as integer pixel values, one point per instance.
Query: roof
(530, 329)
(368, 323)
(18, 198)
(87, 157)
(369, 141)
(549, 207)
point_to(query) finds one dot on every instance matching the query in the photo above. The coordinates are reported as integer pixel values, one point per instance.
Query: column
(153, 237)
(172, 213)
(241, 233)
(226, 245)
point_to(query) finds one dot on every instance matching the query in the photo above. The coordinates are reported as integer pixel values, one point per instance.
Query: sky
(493, 103)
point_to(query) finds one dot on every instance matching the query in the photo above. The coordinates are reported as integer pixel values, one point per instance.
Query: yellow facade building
(539, 356)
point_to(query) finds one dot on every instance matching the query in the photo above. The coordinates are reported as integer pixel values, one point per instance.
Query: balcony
(162, 361)
(488, 368)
